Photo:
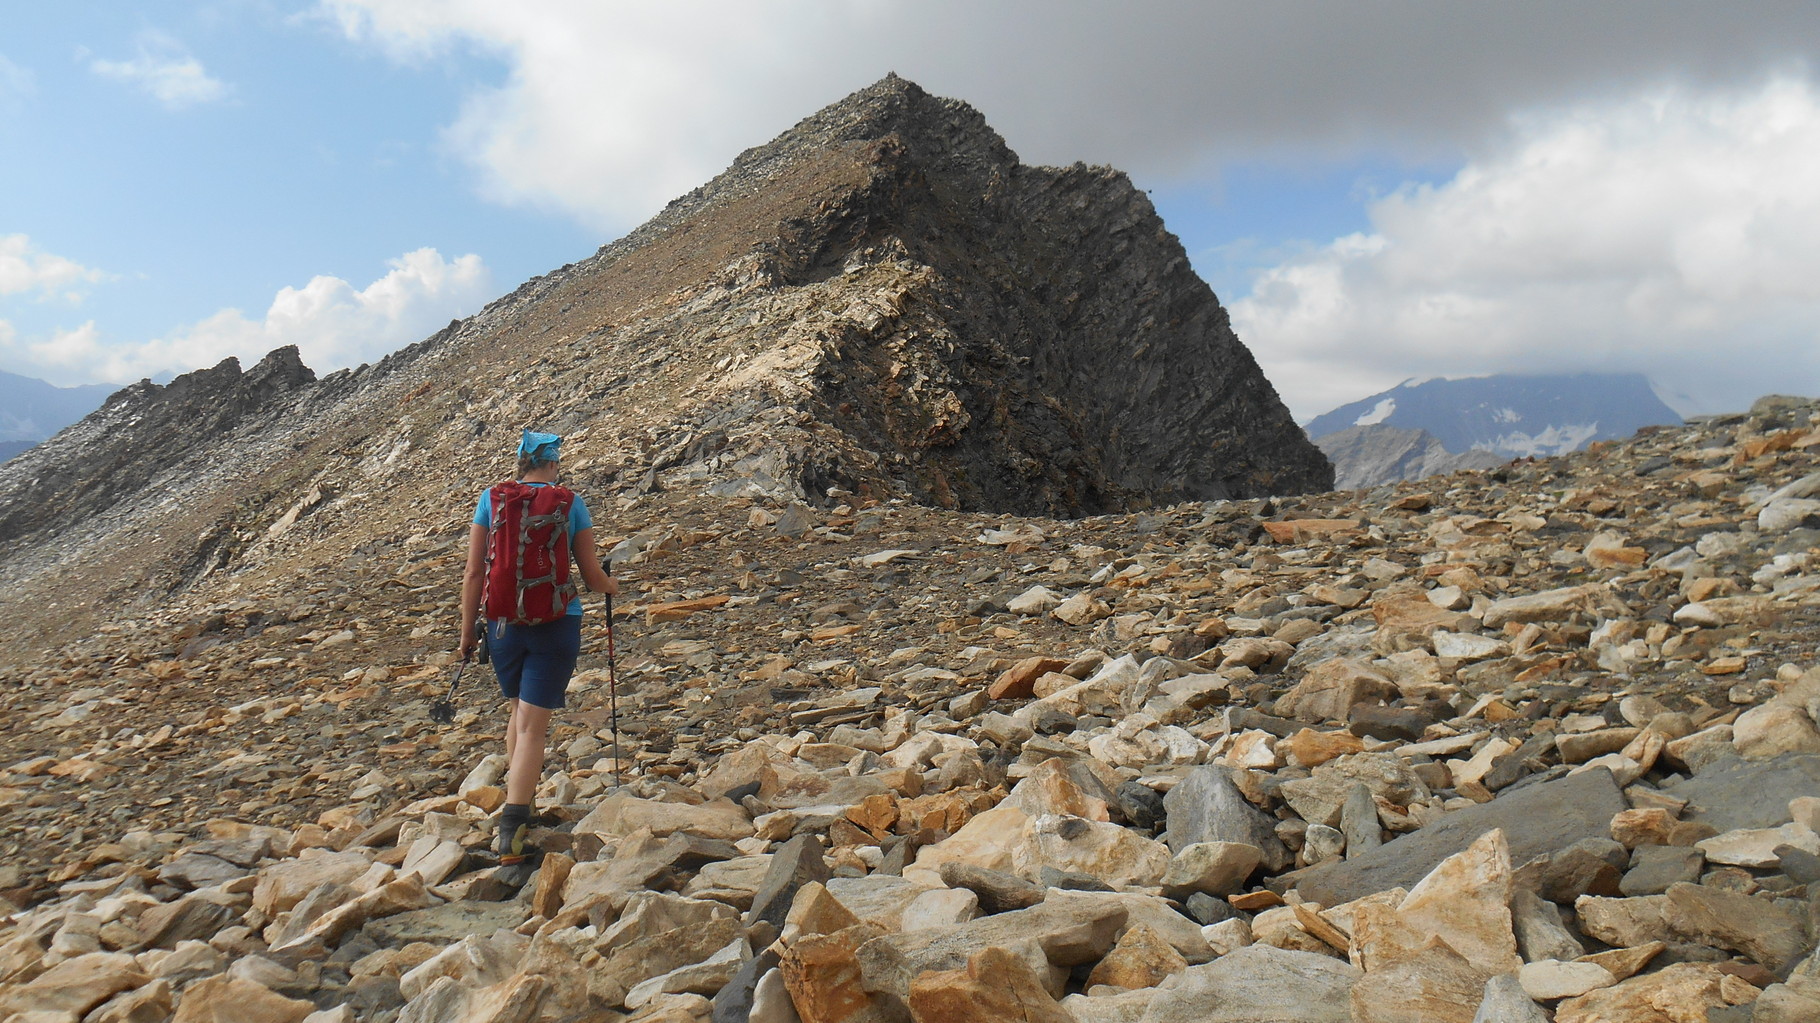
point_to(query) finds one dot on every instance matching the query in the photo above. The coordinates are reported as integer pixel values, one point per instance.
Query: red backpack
(528, 553)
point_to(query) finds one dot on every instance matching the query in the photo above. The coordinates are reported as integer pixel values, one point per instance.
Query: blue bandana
(540, 448)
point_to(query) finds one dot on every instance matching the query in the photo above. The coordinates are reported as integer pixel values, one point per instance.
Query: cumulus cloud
(165, 70)
(606, 111)
(332, 323)
(1672, 233)
(24, 268)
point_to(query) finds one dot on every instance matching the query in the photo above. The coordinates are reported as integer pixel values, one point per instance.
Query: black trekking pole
(613, 691)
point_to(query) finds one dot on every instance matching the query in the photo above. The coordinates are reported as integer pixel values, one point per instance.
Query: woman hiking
(533, 611)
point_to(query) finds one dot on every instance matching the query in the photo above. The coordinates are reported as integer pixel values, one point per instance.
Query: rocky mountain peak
(881, 302)
(140, 431)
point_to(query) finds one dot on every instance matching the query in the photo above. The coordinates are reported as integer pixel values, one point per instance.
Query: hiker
(533, 661)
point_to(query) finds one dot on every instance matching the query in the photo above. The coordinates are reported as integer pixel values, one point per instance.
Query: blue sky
(1375, 191)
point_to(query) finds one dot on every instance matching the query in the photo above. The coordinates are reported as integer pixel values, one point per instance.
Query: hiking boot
(512, 842)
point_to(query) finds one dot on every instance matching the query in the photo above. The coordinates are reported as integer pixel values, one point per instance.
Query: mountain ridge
(1514, 415)
(908, 316)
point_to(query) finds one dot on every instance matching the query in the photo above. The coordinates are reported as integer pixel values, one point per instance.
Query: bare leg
(511, 732)
(529, 727)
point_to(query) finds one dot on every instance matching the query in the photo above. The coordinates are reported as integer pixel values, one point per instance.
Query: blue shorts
(534, 662)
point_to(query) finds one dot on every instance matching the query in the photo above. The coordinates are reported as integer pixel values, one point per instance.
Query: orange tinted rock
(823, 974)
(995, 985)
(1141, 959)
(1018, 681)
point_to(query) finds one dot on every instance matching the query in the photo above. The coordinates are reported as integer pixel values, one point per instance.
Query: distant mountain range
(1387, 436)
(32, 410)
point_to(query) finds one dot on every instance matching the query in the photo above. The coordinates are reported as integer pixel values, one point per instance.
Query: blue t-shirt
(579, 519)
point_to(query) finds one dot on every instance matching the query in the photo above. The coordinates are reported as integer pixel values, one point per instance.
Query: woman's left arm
(587, 557)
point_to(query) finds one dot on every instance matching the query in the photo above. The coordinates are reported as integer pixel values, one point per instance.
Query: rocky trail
(1531, 743)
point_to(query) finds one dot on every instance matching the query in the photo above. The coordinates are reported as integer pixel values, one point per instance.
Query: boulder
(1331, 689)
(1207, 807)
(75, 985)
(1761, 929)
(1774, 729)
(1110, 852)
(623, 814)
(1140, 959)
(795, 863)
(1733, 793)
(1622, 922)
(1681, 993)
(1251, 985)
(1550, 980)
(995, 984)
(1063, 936)
(228, 999)
(1217, 868)
(1505, 1001)
(1536, 820)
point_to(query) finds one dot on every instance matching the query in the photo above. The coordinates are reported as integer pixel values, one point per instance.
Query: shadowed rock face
(1041, 345)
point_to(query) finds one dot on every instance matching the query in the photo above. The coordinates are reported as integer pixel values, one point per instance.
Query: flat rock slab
(446, 924)
(1536, 820)
(1733, 794)
(1256, 984)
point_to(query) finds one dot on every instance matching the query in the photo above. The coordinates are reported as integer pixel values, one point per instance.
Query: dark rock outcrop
(138, 433)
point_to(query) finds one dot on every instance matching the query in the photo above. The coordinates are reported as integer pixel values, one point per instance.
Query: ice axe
(443, 711)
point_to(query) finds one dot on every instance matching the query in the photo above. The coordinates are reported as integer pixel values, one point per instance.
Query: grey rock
(186, 919)
(199, 870)
(998, 891)
(1506, 1002)
(1142, 806)
(1764, 930)
(1207, 807)
(1208, 909)
(1359, 821)
(446, 924)
(1536, 819)
(1540, 932)
(794, 864)
(1081, 932)
(733, 1003)
(1733, 794)
(1800, 865)
(1591, 866)
(1252, 984)
(1654, 868)
(1388, 721)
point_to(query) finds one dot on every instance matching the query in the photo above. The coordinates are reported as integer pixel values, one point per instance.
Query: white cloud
(165, 70)
(1673, 233)
(333, 324)
(16, 83)
(25, 269)
(608, 110)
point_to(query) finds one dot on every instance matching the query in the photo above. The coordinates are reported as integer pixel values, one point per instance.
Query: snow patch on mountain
(1377, 415)
(1508, 416)
(1556, 440)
